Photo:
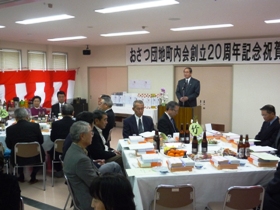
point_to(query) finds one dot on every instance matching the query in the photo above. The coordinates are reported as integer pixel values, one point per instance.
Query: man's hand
(117, 152)
(183, 99)
(100, 161)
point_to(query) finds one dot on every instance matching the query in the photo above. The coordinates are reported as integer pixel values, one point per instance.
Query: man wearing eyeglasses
(166, 124)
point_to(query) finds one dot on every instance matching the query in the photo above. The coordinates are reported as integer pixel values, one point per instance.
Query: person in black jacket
(99, 148)
(106, 106)
(270, 127)
(9, 189)
(56, 108)
(60, 129)
(272, 192)
(24, 131)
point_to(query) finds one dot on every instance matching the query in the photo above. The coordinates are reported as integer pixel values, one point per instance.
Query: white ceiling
(247, 16)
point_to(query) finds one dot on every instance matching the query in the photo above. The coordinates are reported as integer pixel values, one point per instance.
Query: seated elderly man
(60, 129)
(24, 131)
(103, 167)
(137, 123)
(78, 167)
(106, 106)
(98, 148)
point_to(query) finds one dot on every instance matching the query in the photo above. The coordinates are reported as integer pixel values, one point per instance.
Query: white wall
(159, 76)
(253, 87)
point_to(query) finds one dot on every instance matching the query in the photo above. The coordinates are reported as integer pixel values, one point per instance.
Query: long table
(210, 184)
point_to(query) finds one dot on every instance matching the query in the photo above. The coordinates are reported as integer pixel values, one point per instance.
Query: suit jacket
(130, 125)
(268, 133)
(272, 192)
(80, 171)
(97, 149)
(276, 144)
(165, 126)
(191, 90)
(61, 128)
(111, 123)
(24, 131)
(55, 109)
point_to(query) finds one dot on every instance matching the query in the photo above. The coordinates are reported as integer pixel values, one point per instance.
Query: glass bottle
(4, 105)
(246, 147)
(204, 143)
(182, 133)
(187, 134)
(240, 148)
(194, 145)
(157, 141)
(39, 115)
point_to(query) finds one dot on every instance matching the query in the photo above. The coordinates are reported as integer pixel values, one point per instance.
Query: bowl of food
(174, 152)
(198, 165)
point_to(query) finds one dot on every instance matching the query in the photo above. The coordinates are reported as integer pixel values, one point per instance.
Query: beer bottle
(187, 134)
(182, 133)
(194, 145)
(4, 105)
(204, 143)
(246, 147)
(156, 141)
(240, 148)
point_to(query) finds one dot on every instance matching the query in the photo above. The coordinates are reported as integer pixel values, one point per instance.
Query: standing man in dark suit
(106, 106)
(60, 129)
(137, 123)
(24, 131)
(188, 89)
(166, 124)
(56, 108)
(270, 127)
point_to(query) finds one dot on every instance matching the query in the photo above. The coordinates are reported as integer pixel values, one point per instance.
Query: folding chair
(21, 204)
(60, 158)
(6, 161)
(58, 147)
(179, 197)
(28, 150)
(240, 197)
(71, 193)
(109, 137)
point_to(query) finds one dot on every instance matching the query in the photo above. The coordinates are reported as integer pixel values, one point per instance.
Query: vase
(163, 104)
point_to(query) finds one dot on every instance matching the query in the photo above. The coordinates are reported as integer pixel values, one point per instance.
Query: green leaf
(3, 113)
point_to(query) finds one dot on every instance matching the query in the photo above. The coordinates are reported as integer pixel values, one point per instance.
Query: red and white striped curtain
(46, 84)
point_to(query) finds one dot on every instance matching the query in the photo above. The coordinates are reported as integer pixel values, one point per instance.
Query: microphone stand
(183, 88)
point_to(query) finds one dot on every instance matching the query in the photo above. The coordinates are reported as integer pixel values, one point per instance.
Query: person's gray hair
(171, 105)
(137, 102)
(21, 114)
(108, 101)
(77, 129)
(67, 109)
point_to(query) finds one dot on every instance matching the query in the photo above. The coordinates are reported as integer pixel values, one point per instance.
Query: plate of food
(200, 157)
(174, 152)
(213, 142)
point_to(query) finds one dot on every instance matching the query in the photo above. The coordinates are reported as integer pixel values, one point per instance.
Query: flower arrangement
(163, 96)
(3, 114)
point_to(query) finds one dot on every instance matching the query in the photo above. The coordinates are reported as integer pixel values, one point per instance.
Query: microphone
(183, 88)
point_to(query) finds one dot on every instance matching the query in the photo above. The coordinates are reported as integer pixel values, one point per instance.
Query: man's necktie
(187, 82)
(140, 127)
(60, 107)
(172, 122)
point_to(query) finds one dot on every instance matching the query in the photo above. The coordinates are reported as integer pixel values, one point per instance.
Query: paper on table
(147, 145)
(139, 171)
(209, 131)
(265, 156)
(262, 149)
(147, 134)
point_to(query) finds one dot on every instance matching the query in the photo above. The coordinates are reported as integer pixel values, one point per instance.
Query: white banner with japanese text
(263, 50)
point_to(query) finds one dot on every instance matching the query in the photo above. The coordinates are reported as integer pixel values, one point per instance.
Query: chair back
(27, 150)
(21, 204)
(244, 197)
(2, 148)
(174, 196)
(109, 136)
(71, 192)
(58, 146)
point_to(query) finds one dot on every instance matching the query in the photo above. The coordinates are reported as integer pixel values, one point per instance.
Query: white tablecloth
(128, 110)
(210, 184)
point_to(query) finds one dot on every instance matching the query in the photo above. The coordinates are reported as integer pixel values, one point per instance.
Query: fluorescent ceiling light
(2, 26)
(125, 33)
(67, 38)
(137, 6)
(201, 27)
(45, 19)
(272, 21)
